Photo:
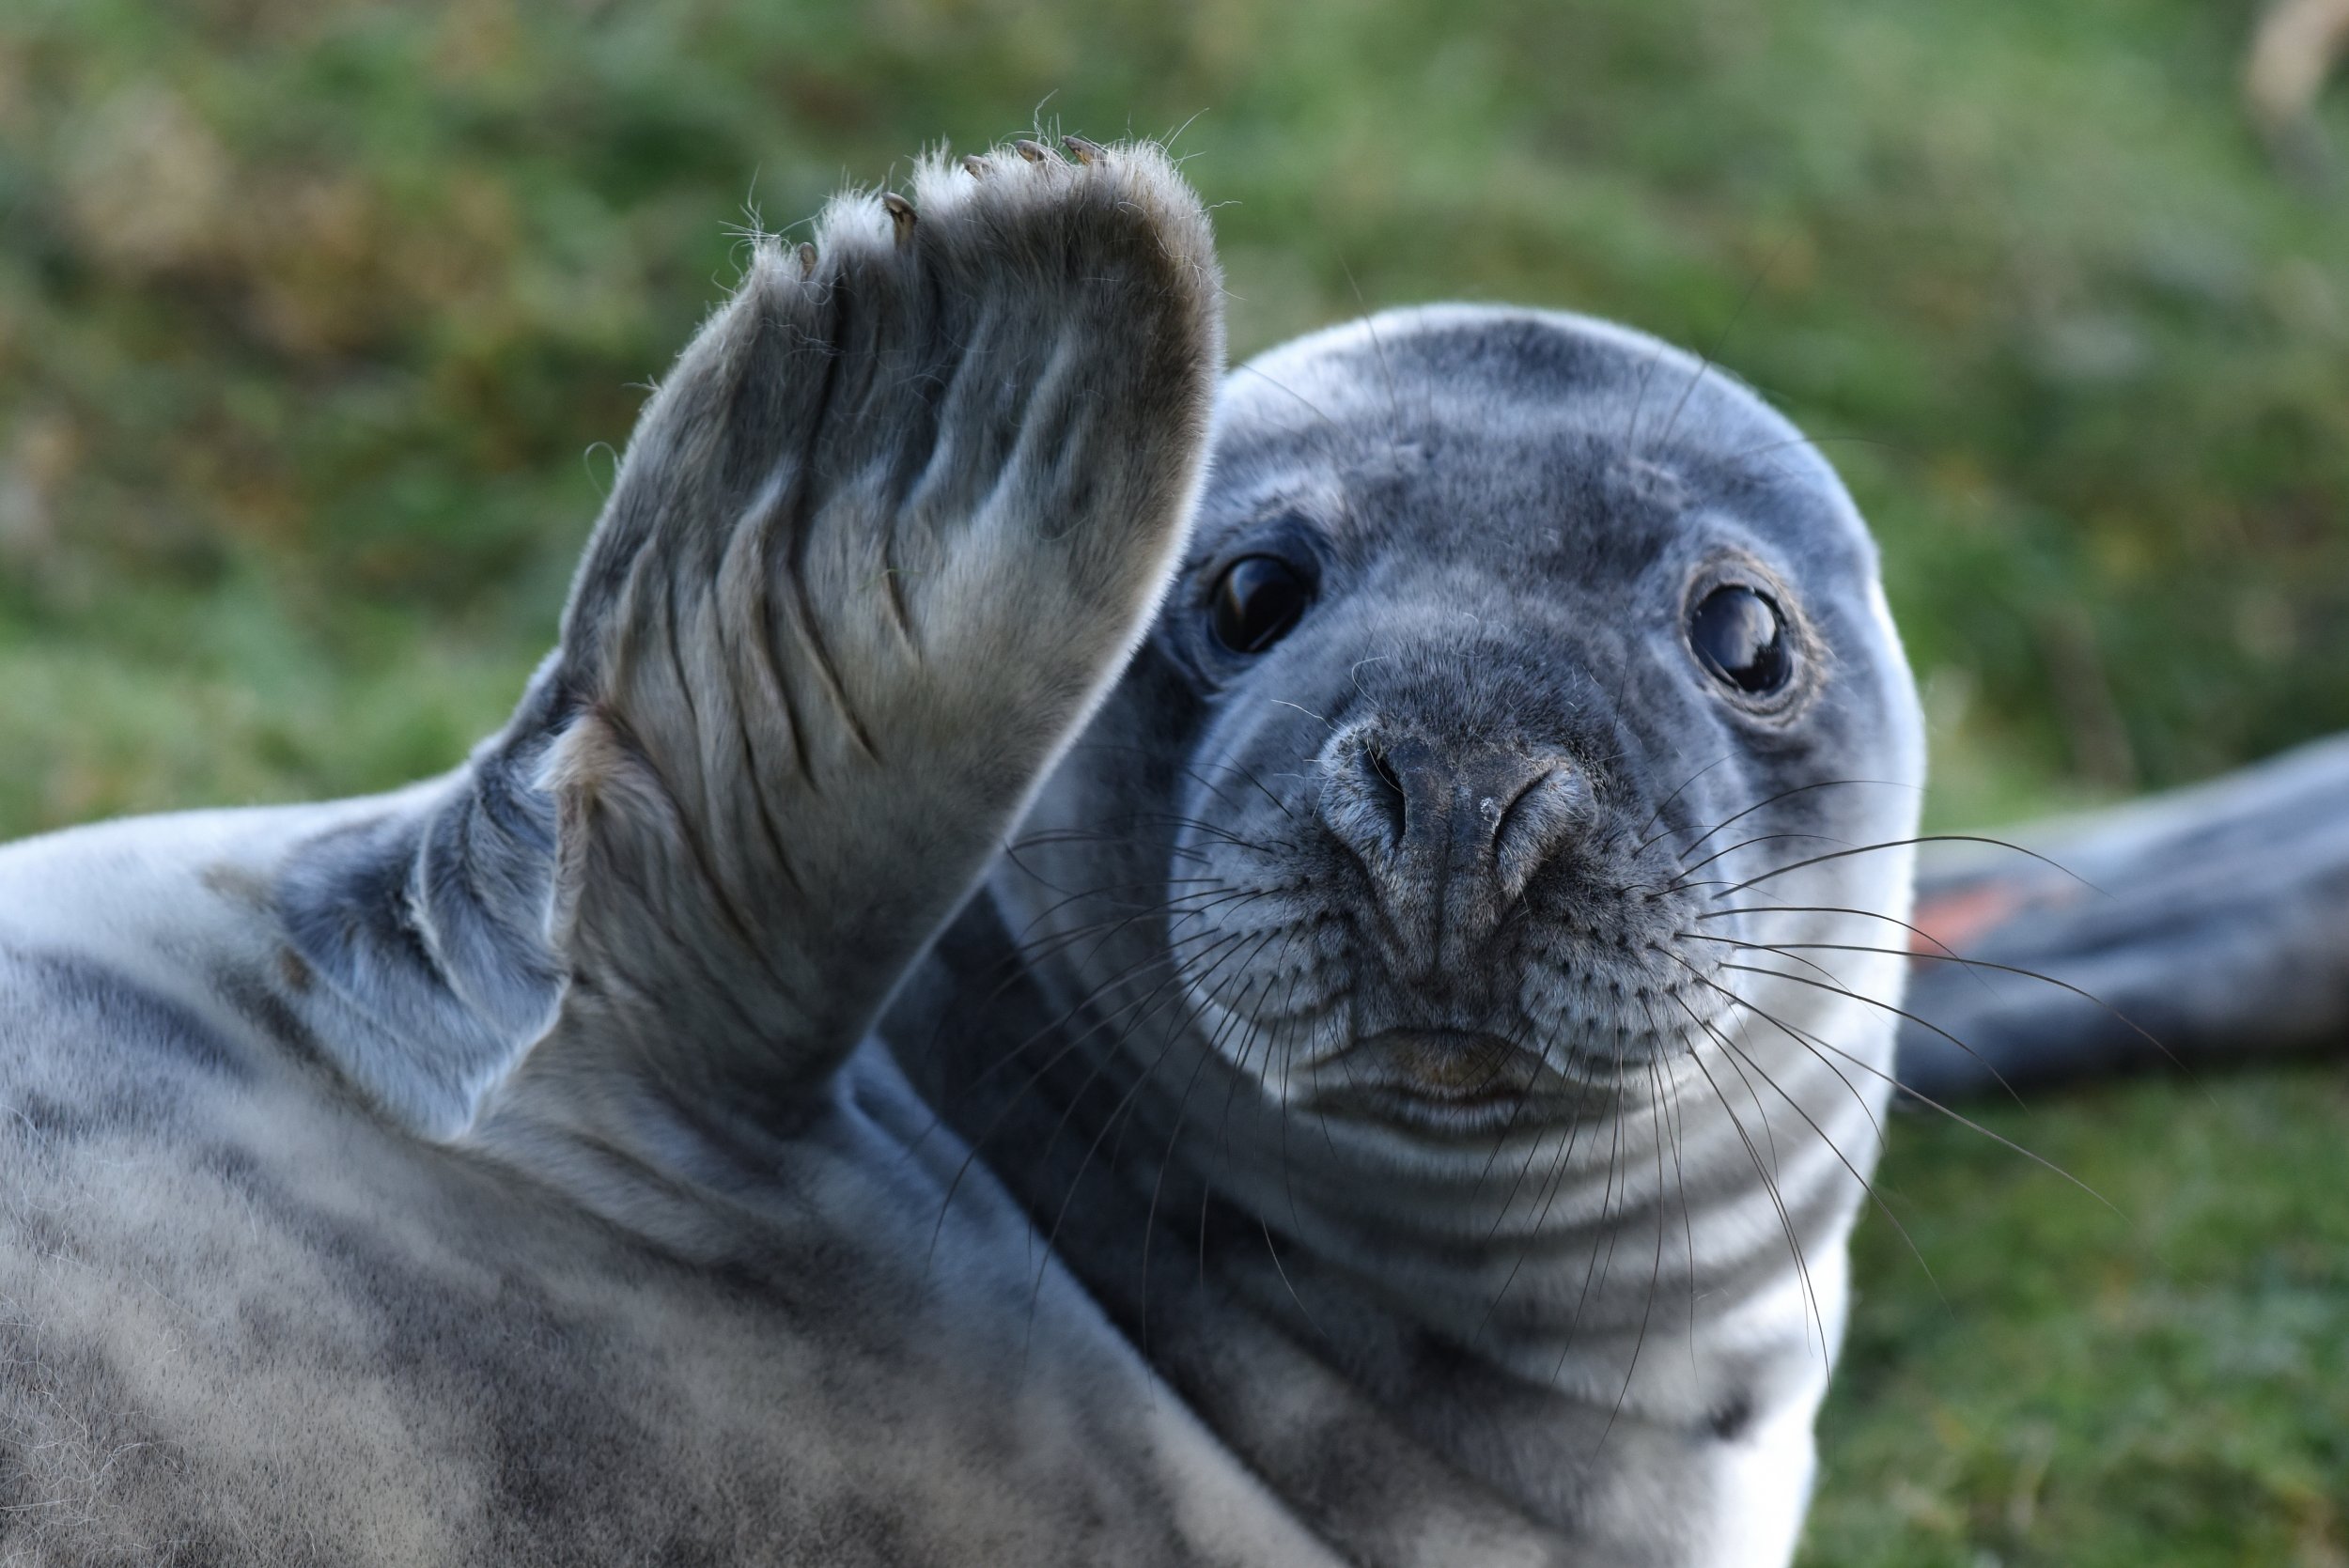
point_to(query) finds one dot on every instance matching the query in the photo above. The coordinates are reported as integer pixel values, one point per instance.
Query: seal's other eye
(1257, 600)
(1738, 635)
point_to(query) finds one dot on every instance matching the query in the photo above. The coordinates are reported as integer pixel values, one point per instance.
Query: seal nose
(1449, 837)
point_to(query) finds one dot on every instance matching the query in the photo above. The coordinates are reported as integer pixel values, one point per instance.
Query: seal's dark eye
(1257, 600)
(1738, 635)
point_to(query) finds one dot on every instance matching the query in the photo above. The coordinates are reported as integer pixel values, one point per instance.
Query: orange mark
(1958, 918)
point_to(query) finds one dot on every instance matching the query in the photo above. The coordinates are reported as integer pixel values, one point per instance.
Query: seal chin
(1443, 1080)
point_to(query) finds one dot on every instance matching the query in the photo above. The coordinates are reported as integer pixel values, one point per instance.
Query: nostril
(1513, 815)
(1386, 790)
(1365, 797)
(1537, 821)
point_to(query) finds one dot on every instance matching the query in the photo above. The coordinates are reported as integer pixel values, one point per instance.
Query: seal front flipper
(876, 547)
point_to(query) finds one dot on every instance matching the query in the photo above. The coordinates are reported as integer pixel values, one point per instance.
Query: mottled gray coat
(1384, 1118)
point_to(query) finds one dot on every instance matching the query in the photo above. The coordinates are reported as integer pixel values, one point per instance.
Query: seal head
(1445, 894)
(1509, 641)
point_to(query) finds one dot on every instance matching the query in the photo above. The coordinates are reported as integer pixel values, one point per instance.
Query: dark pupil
(1736, 632)
(1260, 598)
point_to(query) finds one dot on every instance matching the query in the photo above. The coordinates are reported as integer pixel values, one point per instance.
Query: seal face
(1445, 821)
(1472, 701)
(1432, 894)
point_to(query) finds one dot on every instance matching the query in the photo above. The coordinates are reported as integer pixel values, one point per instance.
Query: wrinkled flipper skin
(490, 1172)
(879, 545)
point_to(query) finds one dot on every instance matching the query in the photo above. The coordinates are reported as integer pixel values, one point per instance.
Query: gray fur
(506, 1170)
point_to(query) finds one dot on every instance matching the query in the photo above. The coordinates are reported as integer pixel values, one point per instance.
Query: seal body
(250, 1320)
(1375, 1113)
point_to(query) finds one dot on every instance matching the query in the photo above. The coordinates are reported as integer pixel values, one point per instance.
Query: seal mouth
(1444, 1077)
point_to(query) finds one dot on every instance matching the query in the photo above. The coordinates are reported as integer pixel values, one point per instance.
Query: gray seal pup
(1379, 1111)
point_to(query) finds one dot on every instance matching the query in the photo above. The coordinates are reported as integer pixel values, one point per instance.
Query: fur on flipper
(472, 1173)
(880, 540)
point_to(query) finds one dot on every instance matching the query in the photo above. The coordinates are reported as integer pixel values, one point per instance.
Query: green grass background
(318, 323)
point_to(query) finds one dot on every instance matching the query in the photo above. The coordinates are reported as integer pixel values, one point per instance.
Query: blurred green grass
(319, 322)
(2162, 1381)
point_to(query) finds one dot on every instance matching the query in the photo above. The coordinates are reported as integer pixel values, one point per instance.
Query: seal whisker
(1690, 847)
(1731, 995)
(1918, 839)
(1014, 853)
(1630, 437)
(1615, 1170)
(1547, 1186)
(1866, 1183)
(1546, 1194)
(1811, 1042)
(1102, 834)
(1874, 1002)
(1124, 1103)
(1282, 1269)
(1785, 948)
(1917, 931)
(1770, 1184)
(1157, 1189)
(1819, 1043)
(1218, 833)
(1822, 440)
(1206, 1186)
(1215, 885)
(1704, 360)
(1003, 1112)
(1518, 1037)
(1670, 1083)
(1656, 1267)
(1378, 348)
(1110, 926)
(1288, 1183)
(1756, 947)
(1769, 1133)
(1013, 966)
(1182, 1108)
(1666, 803)
(1333, 429)
(1744, 844)
(1172, 989)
